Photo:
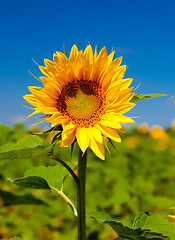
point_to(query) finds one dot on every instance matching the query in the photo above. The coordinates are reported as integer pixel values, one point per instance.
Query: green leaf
(100, 216)
(126, 232)
(9, 198)
(123, 232)
(53, 175)
(28, 142)
(140, 97)
(29, 147)
(33, 182)
(155, 223)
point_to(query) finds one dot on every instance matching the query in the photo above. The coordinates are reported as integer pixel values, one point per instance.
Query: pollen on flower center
(82, 102)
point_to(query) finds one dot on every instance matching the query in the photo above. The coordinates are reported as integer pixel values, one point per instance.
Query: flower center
(82, 102)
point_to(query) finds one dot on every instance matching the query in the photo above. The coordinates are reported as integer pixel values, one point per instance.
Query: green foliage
(140, 97)
(29, 147)
(122, 186)
(43, 177)
(9, 198)
(53, 175)
(32, 182)
(146, 226)
(154, 223)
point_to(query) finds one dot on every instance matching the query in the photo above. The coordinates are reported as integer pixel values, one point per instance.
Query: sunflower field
(138, 175)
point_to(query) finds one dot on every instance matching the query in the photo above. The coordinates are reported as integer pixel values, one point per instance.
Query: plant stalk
(81, 195)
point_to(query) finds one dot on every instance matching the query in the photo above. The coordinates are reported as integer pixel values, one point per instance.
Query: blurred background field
(139, 175)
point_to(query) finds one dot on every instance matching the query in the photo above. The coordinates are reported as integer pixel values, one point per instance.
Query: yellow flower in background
(86, 94)
(158, 132)
(143, 128)
(172, 216)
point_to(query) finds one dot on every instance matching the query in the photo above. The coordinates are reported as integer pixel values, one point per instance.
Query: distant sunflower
(86, 94)
(172, 216)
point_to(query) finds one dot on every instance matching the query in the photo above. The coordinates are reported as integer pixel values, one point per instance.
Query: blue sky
(142, 32)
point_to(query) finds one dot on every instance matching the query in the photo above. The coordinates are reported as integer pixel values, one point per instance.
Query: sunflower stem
(81, 195)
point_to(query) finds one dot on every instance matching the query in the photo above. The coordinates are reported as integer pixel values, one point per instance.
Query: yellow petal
(68, 127)
(171, 216)
(120, 84)
(82, 138)
(44, 71)
(68, 134)
(35, 112)
(51, 89)
(97, 148)
(110, 122)
(32, 100)
(89, 54)
(67, 139)
(120, 118)
(110, 57)
(125, 95)
(48, 110)
(100, 64)
(40, 94)
(50, 119)
(73, 53)
(110, 71)
(120, 108)
(119, 74)
(112, 95)
(110, 133)
(96, 133)
(56, 119)
(61, 59)
(50, 66)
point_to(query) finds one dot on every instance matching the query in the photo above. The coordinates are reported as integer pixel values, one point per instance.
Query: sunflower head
(86, 94)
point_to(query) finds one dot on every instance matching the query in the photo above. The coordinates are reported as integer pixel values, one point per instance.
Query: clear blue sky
(143, 32)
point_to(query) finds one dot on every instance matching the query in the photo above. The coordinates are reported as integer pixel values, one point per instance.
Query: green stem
(68, 168)
(66, 199)
(81, 195)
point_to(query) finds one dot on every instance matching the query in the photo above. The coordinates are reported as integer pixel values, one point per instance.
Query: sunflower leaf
(154, 223)
(130, 233)
(140, 97)
(9, 198)
(29, 147)
(33, 182)
(52, 175)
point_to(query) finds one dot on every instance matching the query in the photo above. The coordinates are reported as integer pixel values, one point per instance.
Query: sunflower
(86, 94)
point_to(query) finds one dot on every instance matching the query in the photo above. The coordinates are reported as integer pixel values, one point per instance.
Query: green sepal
(9, 198)
(140, 97)
(56, 138)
